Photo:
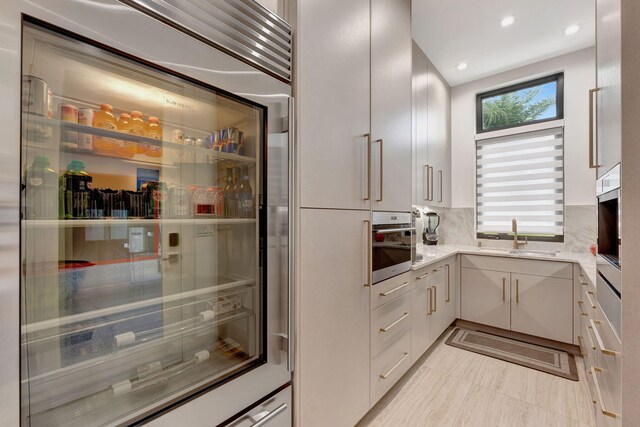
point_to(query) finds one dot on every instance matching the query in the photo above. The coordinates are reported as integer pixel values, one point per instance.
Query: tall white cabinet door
(333, 102)
(438, 309)
(608, 60)
(422, 184)
(438, 136)
(485, 297)
(542, 306)
(390, 103)
(420, 317)
(332, 369)
(450, 297)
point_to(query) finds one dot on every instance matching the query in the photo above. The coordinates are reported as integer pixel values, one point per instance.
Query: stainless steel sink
(532, 252)
(496, 250)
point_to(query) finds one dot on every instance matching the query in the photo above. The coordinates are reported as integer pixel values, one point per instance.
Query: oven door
(390, 252)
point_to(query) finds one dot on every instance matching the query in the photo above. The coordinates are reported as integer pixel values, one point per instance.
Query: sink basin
(532, 252)
(495, 250)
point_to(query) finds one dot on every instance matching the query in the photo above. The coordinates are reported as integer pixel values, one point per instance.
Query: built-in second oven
(391, 244)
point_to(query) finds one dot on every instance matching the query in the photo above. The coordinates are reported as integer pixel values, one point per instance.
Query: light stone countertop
(436, 253)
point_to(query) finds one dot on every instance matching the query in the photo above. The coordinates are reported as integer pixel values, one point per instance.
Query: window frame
(558, 78)
(556, 238)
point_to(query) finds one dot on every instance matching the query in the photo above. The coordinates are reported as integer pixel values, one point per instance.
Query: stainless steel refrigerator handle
(270, 415)
(440, 175)
(368, 178)
(291, 240)
(593, 160)
(381, 168)
(425, 182)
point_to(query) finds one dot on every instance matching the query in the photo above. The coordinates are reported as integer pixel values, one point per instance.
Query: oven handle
(393, 230)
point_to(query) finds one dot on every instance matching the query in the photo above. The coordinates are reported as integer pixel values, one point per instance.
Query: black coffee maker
(431, 223)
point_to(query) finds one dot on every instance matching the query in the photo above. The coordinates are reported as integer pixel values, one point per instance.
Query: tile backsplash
(457, 227)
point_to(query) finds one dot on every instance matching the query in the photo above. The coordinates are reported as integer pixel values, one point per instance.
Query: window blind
(521, 176)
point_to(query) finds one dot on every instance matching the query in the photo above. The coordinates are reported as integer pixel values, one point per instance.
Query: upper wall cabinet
(333, 93)
(431, 134)
(391, 105)
(608, 95)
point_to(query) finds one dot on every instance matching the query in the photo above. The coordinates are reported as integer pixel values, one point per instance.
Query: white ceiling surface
(455, 31)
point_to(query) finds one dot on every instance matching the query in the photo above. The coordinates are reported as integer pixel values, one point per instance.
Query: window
(521, 176)
(534, 101)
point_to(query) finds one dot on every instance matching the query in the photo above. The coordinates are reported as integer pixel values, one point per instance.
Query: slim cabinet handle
(596, 383)
(593, 398)
(394, 367)
(387, 328)
(422, 277)
(367, 196)
(582, 352)
(440, 176)
(381, 168)
(448, 283)
(593, 136)
(591, 303)
(593, 346)
(367, 281)
(431, 183)
(517, 291)
(504, 289)
(435, 299)
(425, 182)
(582, 312)
(384, 294)
(430, 302)
(599, 339)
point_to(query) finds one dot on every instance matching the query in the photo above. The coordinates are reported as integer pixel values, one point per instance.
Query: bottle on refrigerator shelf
(235, 206)
(154, 130)
(68, 113)
(85, 117)
(139, 128)
(104, 119)
(41, 190)
(228, 194)
(125, 148)
(75, 187)
(245, 195)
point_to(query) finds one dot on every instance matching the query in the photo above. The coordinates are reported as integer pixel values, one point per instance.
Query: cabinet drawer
(389, 322)
(560, 270)
(389, 366)
(390, 289)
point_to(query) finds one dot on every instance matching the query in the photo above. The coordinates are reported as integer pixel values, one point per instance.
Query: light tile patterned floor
(454, 387)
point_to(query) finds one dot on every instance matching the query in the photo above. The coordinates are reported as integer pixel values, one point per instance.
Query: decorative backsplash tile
(457, 227)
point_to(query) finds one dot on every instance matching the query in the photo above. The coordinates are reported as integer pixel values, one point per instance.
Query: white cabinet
(431, 134)
(421, 304)
(332, 370)
(486, 297)
(527, 296)
(542, 306)
(390, 104)
(334, 101)
(609, 95)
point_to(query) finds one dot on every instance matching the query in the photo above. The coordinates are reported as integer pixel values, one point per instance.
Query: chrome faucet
(514, 229)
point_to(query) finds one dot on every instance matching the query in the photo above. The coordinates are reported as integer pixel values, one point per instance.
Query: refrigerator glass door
(141, 273)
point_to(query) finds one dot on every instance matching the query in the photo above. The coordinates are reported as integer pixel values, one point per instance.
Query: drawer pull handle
(394, 367)
(435, 299)
(386, 329)
(582, 352)
(582, 312)
(423, 276)
(599, 339)
(448, 283)
(593, 346)
(429, 311)
(384, 294)
(604, 410)
(589, 386)
(591, 303)
(269, 416)
(438, 269)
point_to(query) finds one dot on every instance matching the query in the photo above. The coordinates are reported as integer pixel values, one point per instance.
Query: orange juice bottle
(125, 148)
(154, 130)
(138, 127)
(104, 119)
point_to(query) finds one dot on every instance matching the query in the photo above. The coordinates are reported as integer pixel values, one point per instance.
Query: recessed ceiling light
(507, 20)
(572, 29)
(461, 66)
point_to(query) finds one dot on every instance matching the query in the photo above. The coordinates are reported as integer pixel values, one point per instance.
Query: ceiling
(455, 31)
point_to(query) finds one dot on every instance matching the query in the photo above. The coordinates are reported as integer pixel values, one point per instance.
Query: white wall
(579, 77)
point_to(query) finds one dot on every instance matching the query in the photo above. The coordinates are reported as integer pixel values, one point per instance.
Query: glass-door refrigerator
(154, 246)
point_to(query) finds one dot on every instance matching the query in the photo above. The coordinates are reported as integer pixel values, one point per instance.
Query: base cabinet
(542, 306)
(486, 297)
(421, 296)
